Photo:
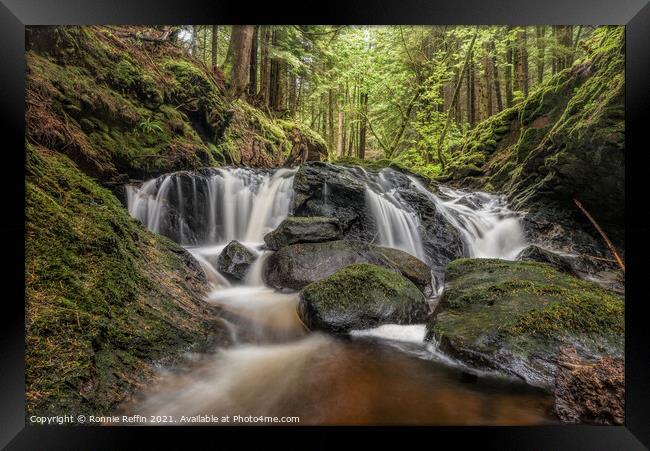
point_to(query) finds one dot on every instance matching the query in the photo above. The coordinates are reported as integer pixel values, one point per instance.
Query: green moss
(526, 304)
(360, 296)
(360, 283)
(104, 297)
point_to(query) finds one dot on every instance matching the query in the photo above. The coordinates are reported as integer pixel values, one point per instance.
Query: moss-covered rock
(515, 316)
(303, 229)
(361, 296)
(298, 265)
(104, 297)
(235, 259)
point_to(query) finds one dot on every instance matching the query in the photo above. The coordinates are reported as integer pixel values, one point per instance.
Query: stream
(276, 368)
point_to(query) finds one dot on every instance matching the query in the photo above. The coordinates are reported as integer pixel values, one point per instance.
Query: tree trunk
(242, 41)
(495, 77)
(541, 48)
(195, 40)
(508, 69)
(363, 126)
(252, 87)
(265, 72)
(215, 42)
(330, 107)
(472, 93)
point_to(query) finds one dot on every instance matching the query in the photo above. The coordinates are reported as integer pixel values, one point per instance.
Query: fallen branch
(143, 37)
(602, 234)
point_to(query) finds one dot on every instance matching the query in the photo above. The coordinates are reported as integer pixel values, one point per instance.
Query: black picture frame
(16, 14)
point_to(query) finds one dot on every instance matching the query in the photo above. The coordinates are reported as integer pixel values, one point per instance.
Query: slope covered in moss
(565, 141)
(127, 108)
(104, 297)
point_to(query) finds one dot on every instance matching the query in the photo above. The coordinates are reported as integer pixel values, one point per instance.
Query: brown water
(278, 369)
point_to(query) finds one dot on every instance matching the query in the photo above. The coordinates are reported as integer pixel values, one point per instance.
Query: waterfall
(487, 226)
(397, 224)
(213, 206)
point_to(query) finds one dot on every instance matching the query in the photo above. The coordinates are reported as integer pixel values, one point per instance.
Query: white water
(489, 229)
(238, 204)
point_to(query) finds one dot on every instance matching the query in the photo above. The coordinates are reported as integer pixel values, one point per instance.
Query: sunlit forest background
(397, 92)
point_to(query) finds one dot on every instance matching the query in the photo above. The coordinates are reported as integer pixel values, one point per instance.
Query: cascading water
(397, 224)
(275, 364)
(488, 227)
(213, 207)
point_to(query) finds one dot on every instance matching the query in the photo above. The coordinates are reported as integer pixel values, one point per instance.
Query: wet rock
(298, 265)
(361, 296)
(513, 317)
(323, 189)
(235, 260)
(297, 229)
(590, 392)
(539, 254)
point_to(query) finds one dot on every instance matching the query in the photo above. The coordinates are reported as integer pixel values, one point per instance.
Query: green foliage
(149, 126)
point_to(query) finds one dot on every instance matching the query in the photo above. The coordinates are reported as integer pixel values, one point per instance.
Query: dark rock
(590, 392)
(514, 317)
(298, 265)
(322, 189)
(538, 254)
(297, 229)
(361, 296)
(235, 260)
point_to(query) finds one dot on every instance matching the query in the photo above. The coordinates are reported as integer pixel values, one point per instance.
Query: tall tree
(508, 69)
(242, 41)
(540, 32)
(215, 42)
(265, 71)
(454, 99)
(252, 87)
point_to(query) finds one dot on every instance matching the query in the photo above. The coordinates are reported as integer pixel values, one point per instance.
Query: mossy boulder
(361, 296)
(303, 229)
(298, 265)
(515, 316)
(235, 259)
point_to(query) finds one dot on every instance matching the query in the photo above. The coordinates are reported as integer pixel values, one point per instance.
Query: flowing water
(387, 375)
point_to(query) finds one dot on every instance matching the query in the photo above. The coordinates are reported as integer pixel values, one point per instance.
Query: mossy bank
(104, 297)
(550, 148)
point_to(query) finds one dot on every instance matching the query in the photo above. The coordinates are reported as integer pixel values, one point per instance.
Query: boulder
(235, 259)
(361, 296)
(298, 229)
(539, 254)
(513, 317)
(590, 392)
(297, 265)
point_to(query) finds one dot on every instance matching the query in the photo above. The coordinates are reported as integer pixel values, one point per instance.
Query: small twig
(602, 234)
(609, 260)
